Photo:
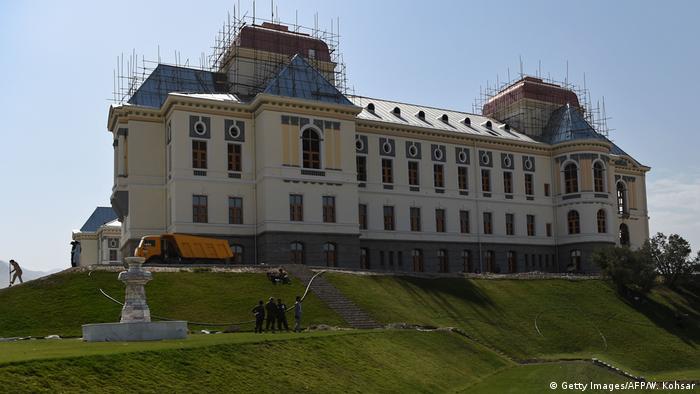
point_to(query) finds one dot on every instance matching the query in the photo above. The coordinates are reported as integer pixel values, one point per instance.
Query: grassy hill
(574, 319)
(345, 362)
(537, 319)
(60, 304)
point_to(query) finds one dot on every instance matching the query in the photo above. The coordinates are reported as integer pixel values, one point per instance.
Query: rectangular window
(531, 225)
(328, 209)
(387, 171)
(112, 255)
(413, 179)
(388, 218)
(549, 229)
(235, 210)
(462, 178)
(381, 258)
(415, 219)
(488, 225)
(199, 154)
(509, 224)
(200, 209)
(363, 216)
(439, 175)
(234, 157)
(508, 182)
(361, 168)
(485, 180)
(546, 190)
(296, 207)
(528, 185)
(399, 258)
(464, 222)
(440, 220)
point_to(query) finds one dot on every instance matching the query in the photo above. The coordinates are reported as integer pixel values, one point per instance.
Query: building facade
(297, 172)
(97, 241)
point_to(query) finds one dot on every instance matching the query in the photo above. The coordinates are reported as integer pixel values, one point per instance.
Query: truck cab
(149, 247)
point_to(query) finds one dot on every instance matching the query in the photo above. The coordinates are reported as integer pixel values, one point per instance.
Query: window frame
(199, 154)
(413, 173)
(328, 204)
(296, 207)
(415, 219)
(200, 212)
(310, 157)
(389, 218)
(235, 213)
(235, 157)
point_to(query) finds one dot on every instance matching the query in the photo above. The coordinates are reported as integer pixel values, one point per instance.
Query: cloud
(674, 205)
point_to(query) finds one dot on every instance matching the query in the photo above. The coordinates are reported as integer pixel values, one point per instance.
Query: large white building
(293, 171)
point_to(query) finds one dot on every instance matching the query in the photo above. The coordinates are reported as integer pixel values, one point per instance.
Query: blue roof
(169, 79)
(299, 79)
(100, 216)
(568, 124)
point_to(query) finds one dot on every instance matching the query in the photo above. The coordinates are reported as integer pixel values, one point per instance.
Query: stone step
(355, 316)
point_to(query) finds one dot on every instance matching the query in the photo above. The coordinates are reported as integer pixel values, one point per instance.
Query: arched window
(329, 254)
(417, 256)
(296, 253)
(598, 177)
(571, 178)
(621, 198)
(490, 258)
(572, 219)
(467, 261)
(512, 262)
(311, 148)
(237, 254)
(442, 260)
(624, 235)
(574, 261)
(602, 225)
(364, 258)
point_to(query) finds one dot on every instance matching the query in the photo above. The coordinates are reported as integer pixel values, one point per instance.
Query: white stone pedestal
(135, 324)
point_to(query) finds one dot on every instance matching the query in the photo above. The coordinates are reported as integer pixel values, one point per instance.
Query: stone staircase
(348, 310)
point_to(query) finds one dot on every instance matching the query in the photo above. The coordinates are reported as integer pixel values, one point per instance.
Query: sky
(57, 61)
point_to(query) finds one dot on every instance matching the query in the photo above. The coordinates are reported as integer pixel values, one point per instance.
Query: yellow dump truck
(182, 248)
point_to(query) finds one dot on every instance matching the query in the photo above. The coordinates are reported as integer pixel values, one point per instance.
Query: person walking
(297, 315)
(259, 312)
(17, 272)
(282, 315)
(271, 310)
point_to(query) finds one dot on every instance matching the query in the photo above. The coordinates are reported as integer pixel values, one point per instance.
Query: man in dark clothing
(17, 272)
(282, 315)
(259, 312)
(297, 315)
(271, 309)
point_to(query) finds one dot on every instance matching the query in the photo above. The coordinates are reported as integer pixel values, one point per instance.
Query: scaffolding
(232, 67)
(532, 115)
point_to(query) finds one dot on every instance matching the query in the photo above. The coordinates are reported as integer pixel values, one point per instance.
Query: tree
(629, 270)
(671, 256)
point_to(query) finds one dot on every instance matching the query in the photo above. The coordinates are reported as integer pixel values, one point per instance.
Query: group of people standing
(276, 313)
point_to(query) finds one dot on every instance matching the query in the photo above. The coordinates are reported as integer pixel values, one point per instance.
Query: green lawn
(575, 319)
(536, 379)
(32, 350)
(351, 362)
(62, 303)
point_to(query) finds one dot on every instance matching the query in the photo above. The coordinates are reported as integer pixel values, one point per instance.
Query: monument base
(134, 331)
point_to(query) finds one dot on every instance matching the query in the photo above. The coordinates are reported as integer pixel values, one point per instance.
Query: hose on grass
(208, 324)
